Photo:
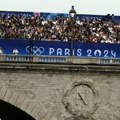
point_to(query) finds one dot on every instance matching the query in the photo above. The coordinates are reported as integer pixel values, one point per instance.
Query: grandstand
(57, 37)
(59, 27)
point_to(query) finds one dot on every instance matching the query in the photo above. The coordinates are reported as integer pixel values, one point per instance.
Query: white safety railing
(110, 61)
(58, 59)
(18, 58)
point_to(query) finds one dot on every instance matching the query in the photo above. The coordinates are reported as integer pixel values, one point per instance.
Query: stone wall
(63, 94)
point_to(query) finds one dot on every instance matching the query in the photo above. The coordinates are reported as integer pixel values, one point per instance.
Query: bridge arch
(10, 112)
(14, 101)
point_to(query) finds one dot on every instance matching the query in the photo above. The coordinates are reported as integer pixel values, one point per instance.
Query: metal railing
(58, 59)
(110, 61)
(17, 58)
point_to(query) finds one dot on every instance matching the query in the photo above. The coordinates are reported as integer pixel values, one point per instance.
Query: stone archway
(10, 112)
(20, 101)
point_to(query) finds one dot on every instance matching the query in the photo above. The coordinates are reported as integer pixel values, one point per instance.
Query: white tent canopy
(94, 7)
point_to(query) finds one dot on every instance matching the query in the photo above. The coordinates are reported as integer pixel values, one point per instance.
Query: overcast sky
(96, 7)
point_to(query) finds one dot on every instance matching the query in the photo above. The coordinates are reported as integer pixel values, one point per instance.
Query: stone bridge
(62, 91)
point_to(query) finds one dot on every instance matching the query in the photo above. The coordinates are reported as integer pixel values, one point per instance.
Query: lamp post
(31, 46)
(30, 50)
(72, 15)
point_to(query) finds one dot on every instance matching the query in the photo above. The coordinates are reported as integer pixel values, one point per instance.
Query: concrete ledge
(59, 67)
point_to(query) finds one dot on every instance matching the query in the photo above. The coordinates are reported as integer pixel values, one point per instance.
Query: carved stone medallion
(80, 100)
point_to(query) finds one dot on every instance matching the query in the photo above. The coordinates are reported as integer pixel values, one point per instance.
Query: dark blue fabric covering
(59, 48)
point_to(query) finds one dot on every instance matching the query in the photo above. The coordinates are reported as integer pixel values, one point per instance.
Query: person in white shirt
(1, 51)
(15, 51)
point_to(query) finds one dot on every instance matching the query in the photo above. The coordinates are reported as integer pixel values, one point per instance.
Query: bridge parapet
(58, 59)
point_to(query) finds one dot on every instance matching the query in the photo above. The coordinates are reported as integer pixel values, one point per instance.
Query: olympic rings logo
(36, 50)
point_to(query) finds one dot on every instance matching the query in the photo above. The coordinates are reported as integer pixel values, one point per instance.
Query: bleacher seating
(59, 28)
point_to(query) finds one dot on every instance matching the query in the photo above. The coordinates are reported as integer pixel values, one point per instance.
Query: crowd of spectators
(15, 26)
